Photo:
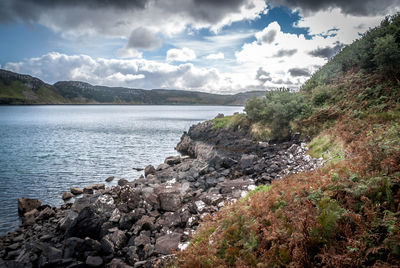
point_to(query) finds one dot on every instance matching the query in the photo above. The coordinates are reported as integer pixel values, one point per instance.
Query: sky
(225, 46)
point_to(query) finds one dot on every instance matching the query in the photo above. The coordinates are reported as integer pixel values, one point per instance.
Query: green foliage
(387, 54)
(277, 110)
(329, 214)
(230, 122)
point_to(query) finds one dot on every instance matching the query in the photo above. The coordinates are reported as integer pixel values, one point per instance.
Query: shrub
(277, 110)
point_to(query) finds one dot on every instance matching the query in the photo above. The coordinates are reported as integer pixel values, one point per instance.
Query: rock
(172, 160)
(30, 217)
(46, 213)
(131, 255)
(118, 238)
(110, 179)
(118, 263)
(104, 205)
(149, 170)
(165, 244)
(27, 204)
(247, 161)
(67, 196)
(66, 222)
(87, 224)
(122, 182)
(169, 219)
(71, 247)
(98, 186)
(200, 206)
(162, 166)
(115, 216)
(229, 186)
(94, 261)
(142, 240)
(146, 223)
(76, 191)
(169, 196)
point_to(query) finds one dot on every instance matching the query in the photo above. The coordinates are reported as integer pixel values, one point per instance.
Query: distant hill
(24, 89)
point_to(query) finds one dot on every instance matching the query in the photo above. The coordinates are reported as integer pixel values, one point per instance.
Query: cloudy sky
(225, 46)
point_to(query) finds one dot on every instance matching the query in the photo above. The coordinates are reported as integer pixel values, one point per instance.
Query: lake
(45, 150)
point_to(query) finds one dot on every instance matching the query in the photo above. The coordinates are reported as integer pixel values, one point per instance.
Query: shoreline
(139, 223)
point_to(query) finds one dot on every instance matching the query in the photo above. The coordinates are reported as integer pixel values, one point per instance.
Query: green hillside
(24, 89)
(346, 214)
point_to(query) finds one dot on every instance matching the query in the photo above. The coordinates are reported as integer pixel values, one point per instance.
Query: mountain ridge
(18, 88)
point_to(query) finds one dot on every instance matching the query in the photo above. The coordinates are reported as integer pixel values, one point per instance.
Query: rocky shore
(141, 223)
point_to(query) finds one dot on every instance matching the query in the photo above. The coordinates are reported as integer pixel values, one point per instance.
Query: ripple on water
(47, 149)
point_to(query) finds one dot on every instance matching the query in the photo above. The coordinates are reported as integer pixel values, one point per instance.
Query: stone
(27, 204)
(94, 261)
(169, 219)
(149, 170)
(110, 179)
(71, 247)
(167, 243)
(76, 191)
(142, 240)
(66, 222)
(118, 263)
(247, 161)
(67, 196)
(115, 216)
(173, 160)
(123, 182)
(30, 217)
(117, 238)
(46, 213)
(146, 223)
(87, 224)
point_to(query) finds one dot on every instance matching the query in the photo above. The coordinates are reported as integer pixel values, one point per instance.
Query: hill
(346, 214)
(24, 89)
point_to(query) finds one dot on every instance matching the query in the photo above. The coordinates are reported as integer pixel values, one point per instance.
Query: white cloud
(216, 56)
(182, 55)
(345, 27)
(138, 73)
(125, 52)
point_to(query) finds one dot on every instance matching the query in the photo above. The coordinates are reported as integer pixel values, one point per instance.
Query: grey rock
(149, 170)
(165, 244)
(67, 196)
(28, 204)
(110, 179)
(76, 191)
(94, 261)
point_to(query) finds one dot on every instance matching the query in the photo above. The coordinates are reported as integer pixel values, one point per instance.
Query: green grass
(13, 91)
(324, 146)
(230, 122)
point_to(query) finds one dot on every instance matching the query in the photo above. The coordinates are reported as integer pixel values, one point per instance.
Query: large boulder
(87, 224)
(167, 243)
(27, 204)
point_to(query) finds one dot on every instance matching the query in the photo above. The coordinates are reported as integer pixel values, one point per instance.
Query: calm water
(45, 150)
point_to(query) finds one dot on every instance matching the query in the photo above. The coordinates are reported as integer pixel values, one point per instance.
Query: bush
(387, 54)
(277, 110)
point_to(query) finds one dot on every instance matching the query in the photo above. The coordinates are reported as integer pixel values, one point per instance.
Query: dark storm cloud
(213, 11)
(299, 72)
(354, 7)
(326, 52)
(285, 53)
(209, 11)
(30, 10)
(144, 39)
(263, 76)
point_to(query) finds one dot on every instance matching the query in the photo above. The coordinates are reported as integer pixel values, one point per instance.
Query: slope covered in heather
(346, 214)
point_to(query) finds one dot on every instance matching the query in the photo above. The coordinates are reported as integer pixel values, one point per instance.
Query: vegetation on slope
(346, 214)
